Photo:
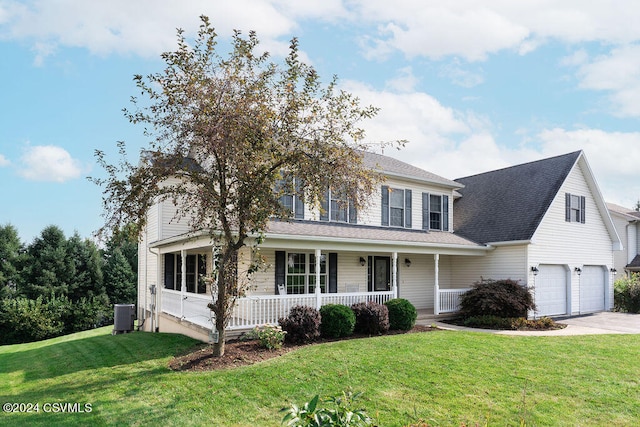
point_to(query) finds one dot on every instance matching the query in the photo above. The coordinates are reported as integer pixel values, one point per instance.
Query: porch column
(183, 280)
(394, 275)
(318, 293)
(436, 286)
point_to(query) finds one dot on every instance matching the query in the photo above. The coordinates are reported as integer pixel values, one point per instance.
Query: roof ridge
(546, 159)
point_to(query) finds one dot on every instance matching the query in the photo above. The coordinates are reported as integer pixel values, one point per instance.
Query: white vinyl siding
(505, 262)
(574, 244)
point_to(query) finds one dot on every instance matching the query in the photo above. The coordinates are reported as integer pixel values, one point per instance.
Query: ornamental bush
(371, 318)
(402, 314)
(337, 321)
(502, 298)
(271, 337)
(626, 294)
(302, 325)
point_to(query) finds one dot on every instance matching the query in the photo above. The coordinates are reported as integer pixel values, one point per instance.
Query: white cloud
(49, 163)
(4, 161)
(142, 27)
(618, 74)
(473, 29)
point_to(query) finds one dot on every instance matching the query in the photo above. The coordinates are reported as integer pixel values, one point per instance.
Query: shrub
(502, 298)
(271, 337)
(371, 318)
(510, 323)
(341, 414)
(25, 320)
(402, 314)
(302, 325)
(626, 294)
(337, 321)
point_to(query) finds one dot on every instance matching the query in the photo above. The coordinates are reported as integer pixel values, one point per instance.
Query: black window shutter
(567, 198)
(385, 205)
(370, 273)
(583, 202)
(407, 208)
(445, 213)
(298, 203)
(169, 271)
(333, 272)
(281, 265)
(353, 213)
(425, 211)
(324, 207)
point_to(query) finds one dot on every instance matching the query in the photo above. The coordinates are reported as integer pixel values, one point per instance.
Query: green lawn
(445, 378)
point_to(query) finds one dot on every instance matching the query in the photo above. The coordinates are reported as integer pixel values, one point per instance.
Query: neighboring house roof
(634, 264)
(508, 204)
(626, 213)
(396, 168)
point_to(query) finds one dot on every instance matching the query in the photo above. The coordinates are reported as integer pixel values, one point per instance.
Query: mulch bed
(242, 353)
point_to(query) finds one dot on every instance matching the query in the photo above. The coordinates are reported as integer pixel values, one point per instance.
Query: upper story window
(435, 212)
(337, 207)
(396, 207)
(575, 208)
(291, 200)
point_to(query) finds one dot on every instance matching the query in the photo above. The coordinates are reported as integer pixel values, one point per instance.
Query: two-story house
(424, 238)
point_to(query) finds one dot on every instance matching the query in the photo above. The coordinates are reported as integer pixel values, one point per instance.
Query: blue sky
(473, 85)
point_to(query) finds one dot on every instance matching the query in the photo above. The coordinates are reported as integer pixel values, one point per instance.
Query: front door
(381, 273)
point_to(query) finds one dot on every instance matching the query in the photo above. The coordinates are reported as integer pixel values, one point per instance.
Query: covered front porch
(258, 310)
(315, 265)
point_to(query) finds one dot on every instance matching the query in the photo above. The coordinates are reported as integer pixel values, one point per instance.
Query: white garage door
(551, 290)
(592, 287)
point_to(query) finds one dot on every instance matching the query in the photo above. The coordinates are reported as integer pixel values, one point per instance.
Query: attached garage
(551, 290)
(592, 288)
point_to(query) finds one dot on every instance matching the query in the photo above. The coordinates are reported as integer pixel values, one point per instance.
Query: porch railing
(261, 309)
(256, 310)
(449, 300)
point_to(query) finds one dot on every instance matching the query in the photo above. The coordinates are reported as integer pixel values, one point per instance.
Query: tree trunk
(218, 347)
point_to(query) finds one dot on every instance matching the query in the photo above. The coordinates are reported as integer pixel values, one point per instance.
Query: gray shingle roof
(399, 168)
(508, 204)
(341, 231)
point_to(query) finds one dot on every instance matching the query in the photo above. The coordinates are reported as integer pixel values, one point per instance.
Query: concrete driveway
(588, 324)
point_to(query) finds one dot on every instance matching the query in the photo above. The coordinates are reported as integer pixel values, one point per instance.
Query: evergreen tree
(49, 269)
(88, 279)
(120, 280)
(10, 257)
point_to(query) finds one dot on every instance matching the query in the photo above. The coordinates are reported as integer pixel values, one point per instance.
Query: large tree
(10, 255)
(232, 131)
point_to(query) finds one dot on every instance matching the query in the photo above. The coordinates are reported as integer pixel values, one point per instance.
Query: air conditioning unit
(123, 317)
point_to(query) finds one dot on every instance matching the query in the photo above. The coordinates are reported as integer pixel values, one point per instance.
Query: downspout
(154, 301)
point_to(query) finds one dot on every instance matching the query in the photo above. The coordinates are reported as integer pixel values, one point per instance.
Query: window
(337, 207)
(301, 273)
(290, 190)
(575, 208)
(396, 207)
(196, 268)
(435, 212)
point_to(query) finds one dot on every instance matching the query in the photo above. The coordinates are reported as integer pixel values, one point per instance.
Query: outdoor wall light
(362, 261)
(407, 262)
(535, 270)
(578, 270)
(614, 271)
